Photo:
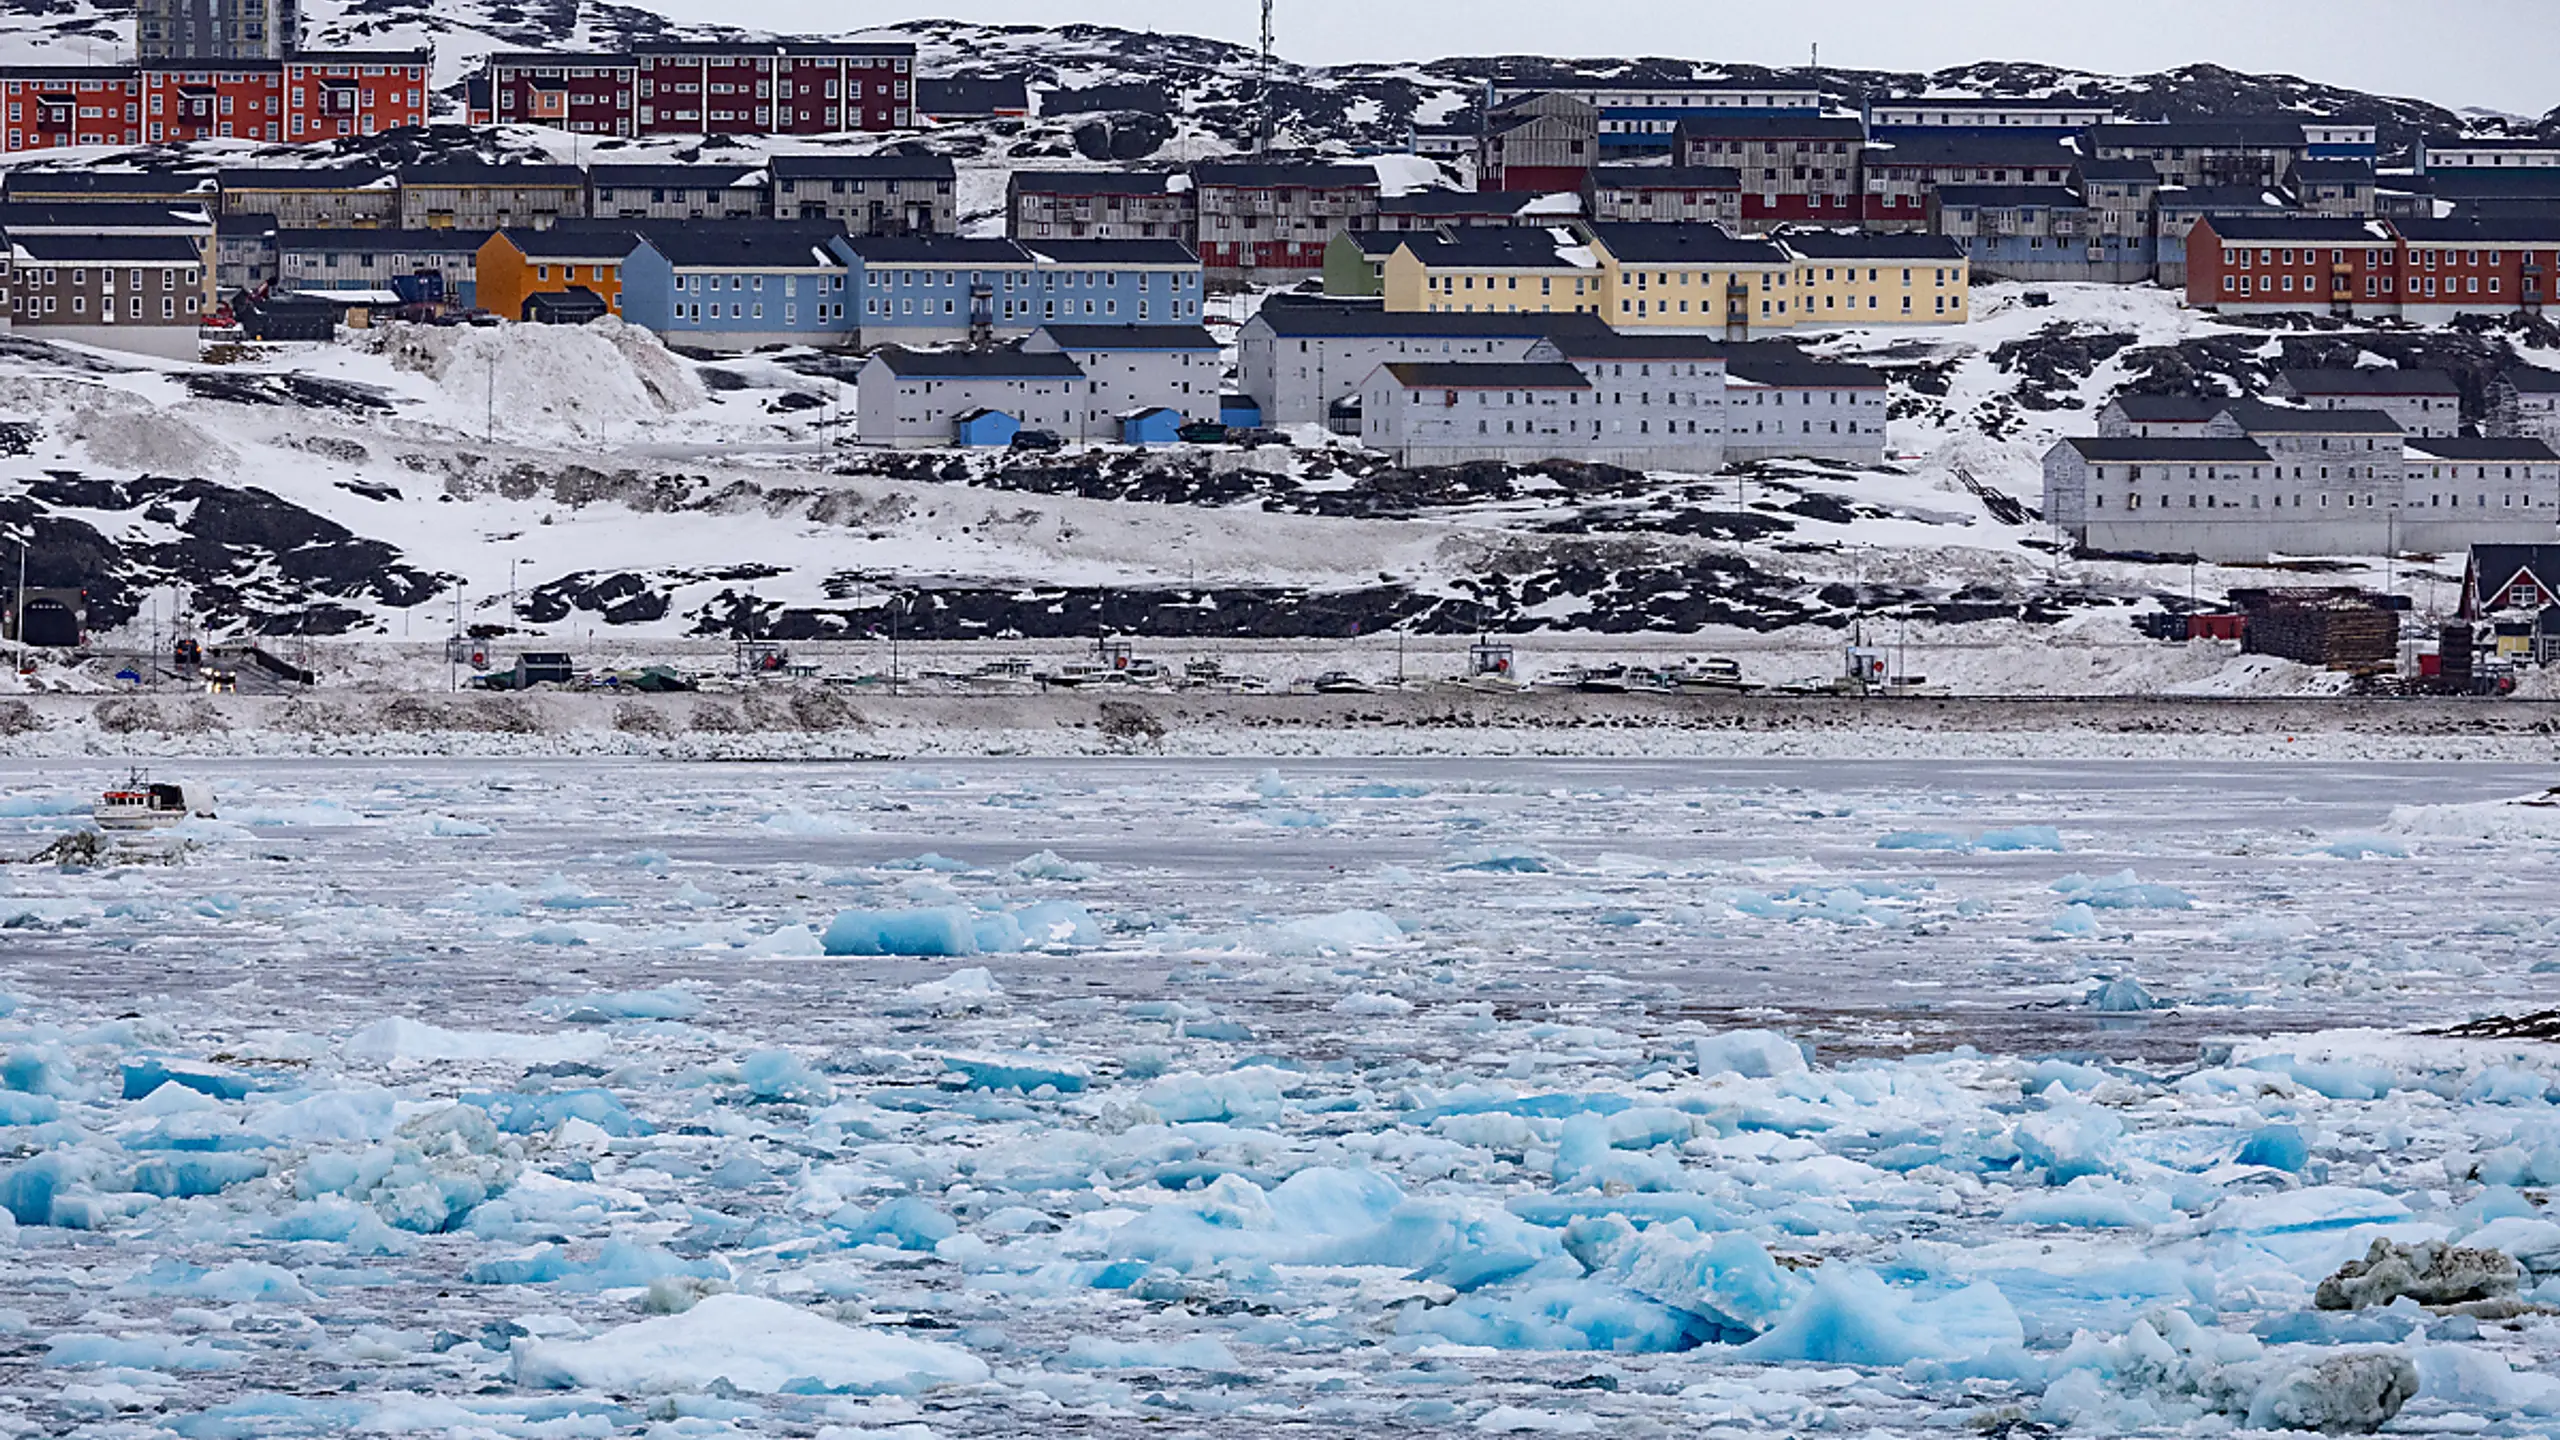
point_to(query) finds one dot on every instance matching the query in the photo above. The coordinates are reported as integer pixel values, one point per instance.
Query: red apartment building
(684, 88)
(1795, 168)
(305, 99)
(2426, 271)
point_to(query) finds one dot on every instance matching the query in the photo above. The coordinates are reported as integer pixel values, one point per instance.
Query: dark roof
(2203, 135)
(2140, 172)
(65, 72)
(978, 364)
(1753, 125)
(1490, 250)
(1110, 252)
(107, 182)
(1836, 245)
(483, 172)
(2373, 380)
(2534, 380)
(1786, 367)
(2168, 409)
(2532, 229)
(740, 244)
(1609, 344)
(1457, 202)
(99, 215)
(972, 97)
(2166, 449)
(109, 248)
(681, 177)
(1093, 182)
(561, 60)
(1309, 321)
(2541, 182)
(2463, 448)
(1995, 102)
(1684, 245)
(811, 48)
(573, 242)
(1258, 176)
(1131, 337)
(358, 57)
(2221, 199)
(2011, 197)
(2295, 229)
(1380, 243)
(1666, 177)
(2494, 567)
(860, 167)
(315, 177)
(2039, 148)
(1516, 375)
(2334, 172)
(935, 250)
(378, 241)
(2259, 418)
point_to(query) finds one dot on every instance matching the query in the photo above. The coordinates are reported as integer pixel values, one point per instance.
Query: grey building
(478, 196)
(868, 194)
(2424, 402)
(1433, 412)
(371, 260)
(1779, 404)
(2465, 492)
(916, 399)
(2206, 153)
(1269, 223)
(216, 29)
(2156, 417)
(144, 293)
(2350, 459)
(1296, 359)
(1128, 367)
(1666, 194)
(317, 197)
(1100, 205)
(244, 253)
(2341, 188)
(2526, 403)
(101, 186)
(678, 192)
(2173, 495)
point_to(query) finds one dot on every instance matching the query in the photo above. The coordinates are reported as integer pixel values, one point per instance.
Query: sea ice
(753, 1344)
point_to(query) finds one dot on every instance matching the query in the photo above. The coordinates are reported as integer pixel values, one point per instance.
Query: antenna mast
(1263, 129)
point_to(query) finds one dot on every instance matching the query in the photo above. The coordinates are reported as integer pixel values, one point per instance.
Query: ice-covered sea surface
(1187, 1098)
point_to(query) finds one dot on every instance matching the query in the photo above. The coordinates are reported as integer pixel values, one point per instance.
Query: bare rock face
(2431, 1274)
(2342, 1395)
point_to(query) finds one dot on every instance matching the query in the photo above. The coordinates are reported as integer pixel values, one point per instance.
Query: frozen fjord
(1177, 1097)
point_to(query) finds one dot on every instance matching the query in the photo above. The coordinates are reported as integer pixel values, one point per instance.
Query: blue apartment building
(923, 289)
(738, 286)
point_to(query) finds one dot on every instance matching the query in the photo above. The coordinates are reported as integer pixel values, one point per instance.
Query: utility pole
(18, 611)
(1264, 127)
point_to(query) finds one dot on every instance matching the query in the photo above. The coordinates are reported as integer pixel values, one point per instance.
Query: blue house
(737, 285)
(987, 428)
(925, 289)
(1153, 426)
(1239, 412)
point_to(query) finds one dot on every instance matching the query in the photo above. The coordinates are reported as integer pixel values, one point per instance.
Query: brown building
(1269, 223)
(1547, 142)
(128, 292)
(1667, 194)
(1099, 205)
(322, 197)
(1799, 169)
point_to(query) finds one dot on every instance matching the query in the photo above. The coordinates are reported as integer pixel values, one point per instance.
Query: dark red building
(783, 88)
(1795, 168)
(585, 94)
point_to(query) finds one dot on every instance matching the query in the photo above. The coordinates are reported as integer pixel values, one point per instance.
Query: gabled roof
(1460, 375)
(99, 216)
(2259, 418)
(739, 245)
(2298, 229)
(2494, 569)
(1684, 245)
(2217, 199)
(1665, 177)
(2371, 380)
(312, 177)
(2334, 172)
(2533, 230)
(597, 243)
(487, 173)
(2540, 182)
(2168, 409)
(2534, 380)
(1302, 321)
(860, 167)
(1262, 175)
(2167, 450)
(1865, 245)
(1638, 345)
(1493, 250)
(2446, 447)
(1095, 182)
(1781, 366)
(432, 242)
(1380, 243)
(934, 250)
(2137, 172)
(2203, 135)
(673, 177)
(977, 364)
(2042, 149)
(1131, 337)
(968, 96)
(1457, 202)
(31, 181)
(111, 249)
(1757, 125)
(2011, 197)
(1110, 252)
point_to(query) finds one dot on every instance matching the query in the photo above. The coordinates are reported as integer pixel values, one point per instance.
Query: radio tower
(1263, 128)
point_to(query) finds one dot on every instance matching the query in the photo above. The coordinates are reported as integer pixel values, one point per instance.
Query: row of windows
(2420, 286)
(51, 305)
(2133, 501)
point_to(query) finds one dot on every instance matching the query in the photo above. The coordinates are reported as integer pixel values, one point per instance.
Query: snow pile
(547, 381)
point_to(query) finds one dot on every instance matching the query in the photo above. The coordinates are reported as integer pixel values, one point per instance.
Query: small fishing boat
(1713, 674)
(140, 805)
(1342, 682)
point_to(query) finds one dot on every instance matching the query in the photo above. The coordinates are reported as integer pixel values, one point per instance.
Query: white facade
(1295, 375)
(2223, 499)
(2460, 493)
(919, 410)
(1448, 414)
(1780, 418)
(1135, 367)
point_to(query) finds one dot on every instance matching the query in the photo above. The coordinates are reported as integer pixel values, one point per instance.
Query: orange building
(517, 264)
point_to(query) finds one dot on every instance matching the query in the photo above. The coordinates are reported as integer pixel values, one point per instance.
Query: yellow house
(1693, 278)
(1493, 272)
(1848, 278)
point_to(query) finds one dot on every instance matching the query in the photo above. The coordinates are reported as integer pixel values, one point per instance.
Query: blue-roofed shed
(1239, 412)
(1153, 425)
(992, 428)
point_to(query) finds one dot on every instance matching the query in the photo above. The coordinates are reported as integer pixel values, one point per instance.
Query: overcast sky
(2498, 54)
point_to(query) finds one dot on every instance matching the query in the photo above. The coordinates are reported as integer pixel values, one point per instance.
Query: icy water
(1189, 1098)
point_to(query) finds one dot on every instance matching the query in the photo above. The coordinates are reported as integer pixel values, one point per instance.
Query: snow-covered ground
(510, 1099)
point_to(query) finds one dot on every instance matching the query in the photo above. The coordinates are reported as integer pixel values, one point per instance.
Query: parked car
(1037, 440)
(1256, 437)
(1202, 432)
(2036, 299)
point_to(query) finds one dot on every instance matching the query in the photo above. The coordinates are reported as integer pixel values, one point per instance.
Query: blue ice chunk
(1853, 1318)
(665, 1003)
(1503, 859)
(1200, 1352)
(781, 1075)
(2121, 994)
(540, 1266)
(620, 1265)
(1234, 1032)
(2338, 1080)
(1641, 1209)
(236, 1283)
(929, 860)
(2277, 1147)
(28, 1191)
(1923, 840)
(2087, 1205)
(256, 1416)
(1753, 1054)
(2069, 1140)
(1057, 922)
(2121, 891)
(995, 932)
(2333, 1327)
(140, 1352)
(19, 1108)
(339, 1220)
(1558, 1315)
(1025, 1073)
(186, 1177)
(908, 1222)
(2020, 837)
(2509, 1085)
(1725, 1279)
(520, 1114)
(2076, 922)
(141, 1077)
(951, 930)
(42, 1071)
(2363, 847)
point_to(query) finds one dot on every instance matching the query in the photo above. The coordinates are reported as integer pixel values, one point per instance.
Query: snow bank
(756, 1345)
(550, 381)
